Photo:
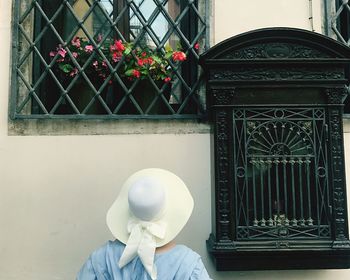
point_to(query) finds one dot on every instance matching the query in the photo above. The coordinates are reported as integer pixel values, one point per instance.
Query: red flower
(196, 46)
(179, 56)
(140, 62)
(167, 80)
(136, 73)
(150, 60)
(119, 45)
(117, 56)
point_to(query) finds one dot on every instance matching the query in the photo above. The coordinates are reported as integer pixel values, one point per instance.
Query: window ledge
(104, 127)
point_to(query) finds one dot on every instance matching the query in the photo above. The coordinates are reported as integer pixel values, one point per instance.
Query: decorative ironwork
(40, 26)
(277, 74)
(223, 175)
(279, 150)
(275, 50)
(337, 159)
(223, 96)
(285, 186)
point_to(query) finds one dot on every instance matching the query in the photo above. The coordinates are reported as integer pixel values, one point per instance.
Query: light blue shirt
(178, 263)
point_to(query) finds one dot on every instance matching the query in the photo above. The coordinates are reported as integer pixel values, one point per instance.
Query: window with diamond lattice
(338, 18)
(108, 58)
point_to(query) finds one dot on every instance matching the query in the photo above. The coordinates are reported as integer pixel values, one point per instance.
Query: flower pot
(147, 97)
(82, 94)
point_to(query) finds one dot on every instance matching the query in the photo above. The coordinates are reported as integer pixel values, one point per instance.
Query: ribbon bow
(142, 242)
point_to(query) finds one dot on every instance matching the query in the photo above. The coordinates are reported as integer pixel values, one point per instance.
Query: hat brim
(179, 205)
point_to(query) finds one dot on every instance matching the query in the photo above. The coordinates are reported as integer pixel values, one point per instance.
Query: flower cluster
(138, 63)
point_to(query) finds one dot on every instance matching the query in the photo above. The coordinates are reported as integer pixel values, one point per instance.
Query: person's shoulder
(183, 249)
(179, 254)
(114, 247)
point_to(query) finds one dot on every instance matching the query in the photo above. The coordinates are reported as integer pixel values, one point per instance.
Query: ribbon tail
(146, 253)
(130, 251)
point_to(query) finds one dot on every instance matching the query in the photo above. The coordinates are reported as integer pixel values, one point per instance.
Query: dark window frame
(190, 75)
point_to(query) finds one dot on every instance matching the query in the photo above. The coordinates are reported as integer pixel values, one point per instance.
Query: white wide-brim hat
(177, 210)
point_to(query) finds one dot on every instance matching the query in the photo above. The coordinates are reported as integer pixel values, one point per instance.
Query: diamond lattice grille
(340, 21)
(67, 64)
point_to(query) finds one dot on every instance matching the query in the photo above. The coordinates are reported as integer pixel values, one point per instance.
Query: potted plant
(144, 70)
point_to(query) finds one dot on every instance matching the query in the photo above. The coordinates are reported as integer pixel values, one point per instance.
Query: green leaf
(168, 55)
(66, 68)
(129, 72)
(127, 50)
(156, 59)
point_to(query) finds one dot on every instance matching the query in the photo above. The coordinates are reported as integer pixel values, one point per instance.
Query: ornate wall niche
(275, 101)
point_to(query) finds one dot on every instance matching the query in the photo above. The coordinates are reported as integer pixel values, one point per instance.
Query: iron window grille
(39, 91)
(281, 174)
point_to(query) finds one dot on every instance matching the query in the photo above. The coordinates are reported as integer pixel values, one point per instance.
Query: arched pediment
(278, 43)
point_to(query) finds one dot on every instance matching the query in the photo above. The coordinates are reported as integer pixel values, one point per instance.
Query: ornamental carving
(222, 162)
(336, 95)
(338, 170)
(276, 74)
(275, 50)
(223, 96)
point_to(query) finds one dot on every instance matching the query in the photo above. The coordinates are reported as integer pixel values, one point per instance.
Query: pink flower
(179, 56)
(75, 54)
(52, 53)
(95, 64)
(104, 64)
(167, 80)
(143, 54)
(76, 42)
(136, 73)
(62, 52)
(196, 46)
(73, 72)
(89, 48)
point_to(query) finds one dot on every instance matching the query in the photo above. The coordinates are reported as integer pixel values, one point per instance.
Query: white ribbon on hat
(142, 242)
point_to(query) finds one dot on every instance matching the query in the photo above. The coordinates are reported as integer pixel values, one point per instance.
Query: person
(151, 209)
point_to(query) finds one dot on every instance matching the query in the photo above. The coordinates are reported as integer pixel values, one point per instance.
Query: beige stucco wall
(55, 190)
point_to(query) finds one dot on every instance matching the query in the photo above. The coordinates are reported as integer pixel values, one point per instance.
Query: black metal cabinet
(275, 98)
